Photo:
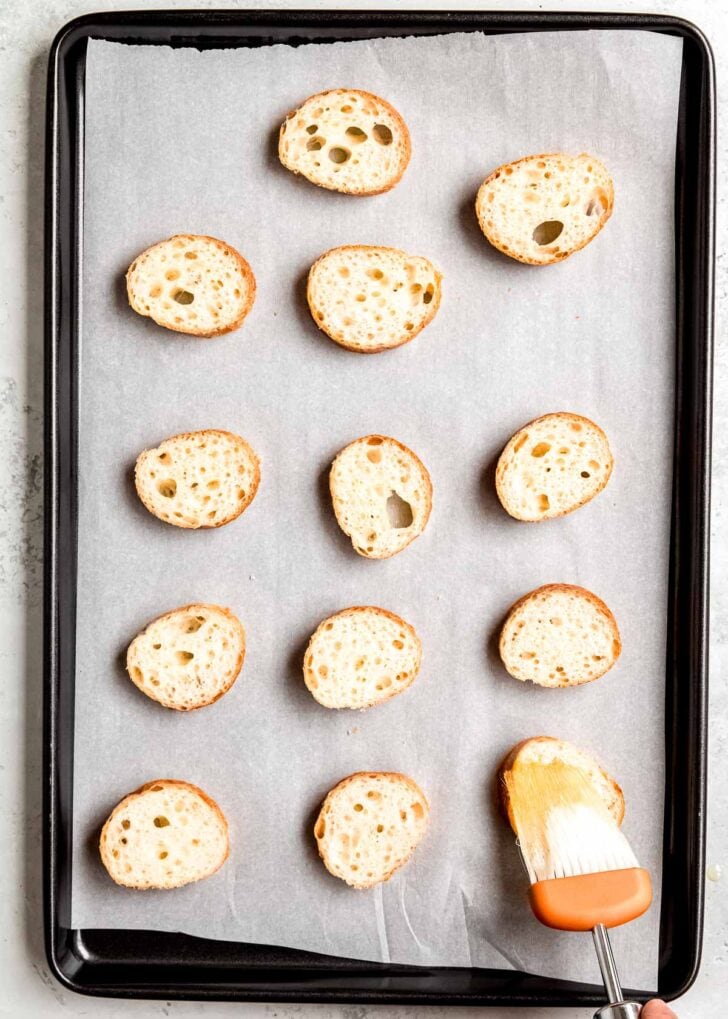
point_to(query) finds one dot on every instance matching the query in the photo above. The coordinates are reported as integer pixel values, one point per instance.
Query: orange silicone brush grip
(611, 897)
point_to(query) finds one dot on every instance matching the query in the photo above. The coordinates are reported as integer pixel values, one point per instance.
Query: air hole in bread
(374, 440)
(358, 807)
(155, 291)
(126, 824)
(541, 449)
(375, 274)
(312, 129)
(183, 297)
(398, 644)
(521, 443)
(184, 656)
(543, 502)
(374, 455)
(172, 274)
(598, 203)
(193, 624)
(357, 135)
(380, 829)
(409, 326)
(167, 488)
(338, 154)
(161, 821)
(157, 647)
(547, 232)
(315, 144)
(418, 810)
(399, 512)
(428, 294)
(585, 474)
(382, 134)
(191, 255)
(163, 855)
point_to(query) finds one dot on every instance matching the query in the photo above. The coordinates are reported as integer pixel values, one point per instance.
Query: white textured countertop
(26, 986)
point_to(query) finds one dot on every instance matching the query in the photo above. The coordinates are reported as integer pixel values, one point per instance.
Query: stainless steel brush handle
(617, 1008)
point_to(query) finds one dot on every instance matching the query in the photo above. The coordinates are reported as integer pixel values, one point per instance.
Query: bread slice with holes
(370, 299)
(552, 466)
(192, 284)
(167, 834)
(541, 209)
(545, 750)
(382, 495)
(188, 657)
(360, 657)
(559, 635)
(198, 479)
(346, 140)
(370, 825)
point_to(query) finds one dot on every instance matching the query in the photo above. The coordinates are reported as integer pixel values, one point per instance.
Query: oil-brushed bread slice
(541, 209)
(192, 284)
(369, 826)
(552, 466)
(545, 750)
(559, 635)
(164, 835)
(198, 479)
(188, 657)
(382, 495)
(361, 656)
(370, 299)
(346, 140)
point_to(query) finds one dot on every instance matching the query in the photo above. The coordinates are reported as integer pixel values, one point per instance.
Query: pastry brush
(584, 875)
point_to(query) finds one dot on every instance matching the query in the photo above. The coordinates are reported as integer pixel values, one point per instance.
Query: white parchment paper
(184, 141)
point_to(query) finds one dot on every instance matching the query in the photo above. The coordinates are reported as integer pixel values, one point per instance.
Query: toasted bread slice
(559, 635)
(198, 479)
(188, 657)
(369, 826)
(192, 284)
(552, 466)
(346, 140)
(544, 750)
(370, 299)
(541, 209)
(360, 657)
(382, 495)
(164, 835)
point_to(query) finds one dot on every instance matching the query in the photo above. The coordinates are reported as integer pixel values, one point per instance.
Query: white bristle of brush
(563, 825)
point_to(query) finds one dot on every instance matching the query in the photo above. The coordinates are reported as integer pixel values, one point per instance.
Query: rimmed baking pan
(158, 965)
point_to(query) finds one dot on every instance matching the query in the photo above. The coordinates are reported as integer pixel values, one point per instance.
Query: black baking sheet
(357, 981)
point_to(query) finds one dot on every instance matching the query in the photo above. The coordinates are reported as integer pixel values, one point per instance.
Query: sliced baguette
(370, 299)
(552, 466)
(164, 835)
(541, 209)
(198, 479)
(360, 657)
(382, 495)
(346, 140)
(188, 657)
(559, 635)
(192, 284)
(369, 826)
(544, 750)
